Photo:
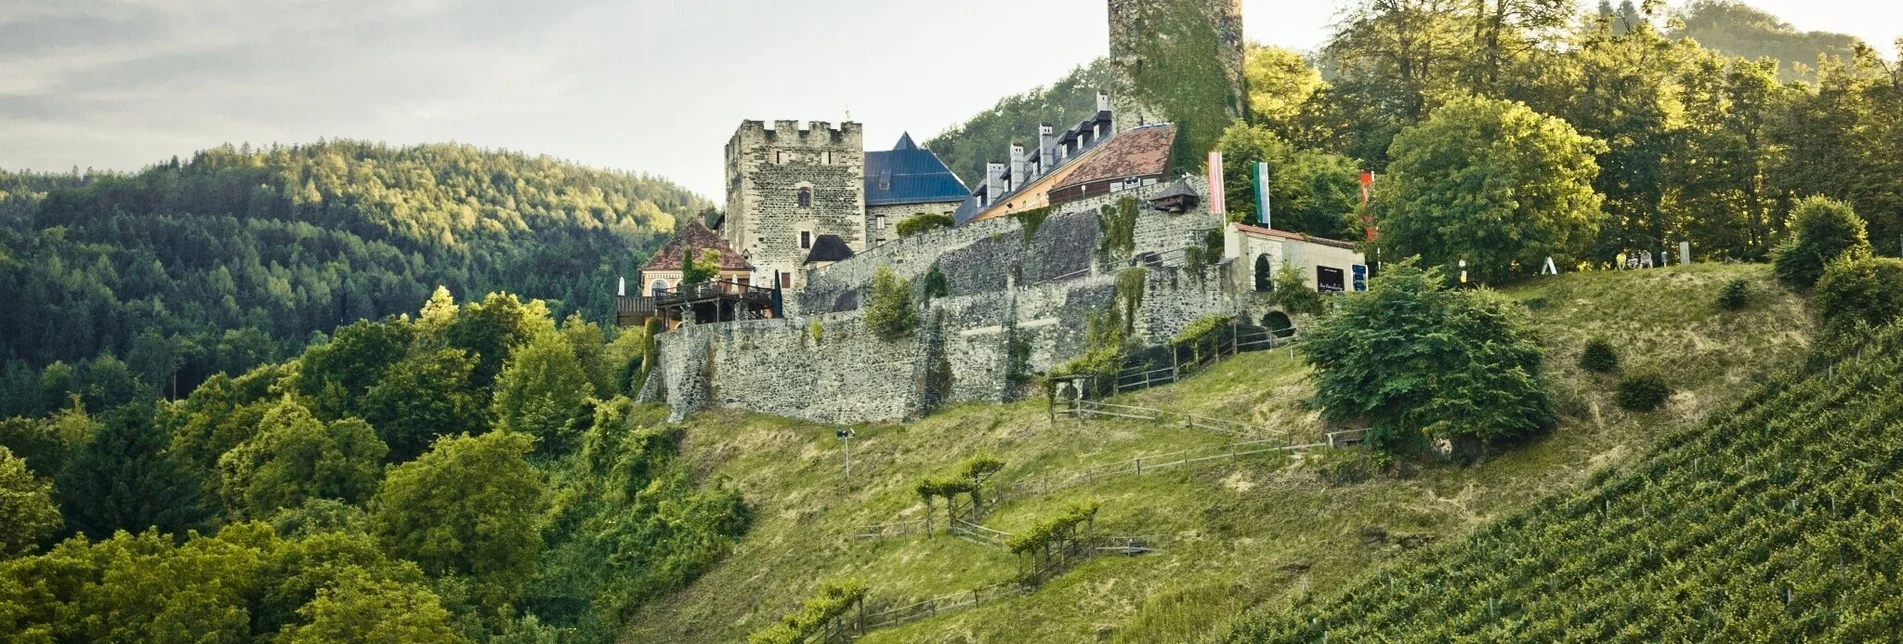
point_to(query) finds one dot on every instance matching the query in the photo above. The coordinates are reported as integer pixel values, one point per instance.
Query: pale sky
(652, 86)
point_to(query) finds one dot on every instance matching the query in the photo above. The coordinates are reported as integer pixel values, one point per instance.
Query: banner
(1264, 213)
(1217, 206)
(1367, 212)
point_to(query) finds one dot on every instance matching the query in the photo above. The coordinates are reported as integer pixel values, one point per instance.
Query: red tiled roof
(1140, 152)
(695, 235)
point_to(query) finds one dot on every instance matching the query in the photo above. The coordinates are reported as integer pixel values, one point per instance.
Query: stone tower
(788, 185)
(1178, 61)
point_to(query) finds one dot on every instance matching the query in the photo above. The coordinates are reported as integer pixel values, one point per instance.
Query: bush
(924, 222)
(1735, 296)
(1863, 290)
(1599, 357)
(1643, 393)
(1415, 360)
(1826, 230)
(889, 312)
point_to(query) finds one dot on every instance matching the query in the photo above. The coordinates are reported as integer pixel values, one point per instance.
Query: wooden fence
(1192, 359)
(1087, 409)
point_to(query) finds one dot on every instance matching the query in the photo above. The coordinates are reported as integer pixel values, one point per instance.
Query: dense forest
(1740, 31)
(988, 136)
(1707, 137)
(127, 285)
(468, 472)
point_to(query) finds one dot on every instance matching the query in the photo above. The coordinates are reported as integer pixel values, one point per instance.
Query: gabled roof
(695, 235)
(1139, 152)
(1283, 234)
(829, 248)
(909, 174)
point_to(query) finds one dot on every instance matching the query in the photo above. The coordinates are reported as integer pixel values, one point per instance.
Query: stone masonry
(768, 170)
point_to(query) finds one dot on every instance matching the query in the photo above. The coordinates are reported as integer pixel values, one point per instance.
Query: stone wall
(980, 256)
(829, 368)
(896, 213)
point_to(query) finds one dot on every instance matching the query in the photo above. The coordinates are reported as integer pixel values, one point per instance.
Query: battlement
(795, 134)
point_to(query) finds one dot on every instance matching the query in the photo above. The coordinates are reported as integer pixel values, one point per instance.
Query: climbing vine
(1118, 224)
(1130, 285)
(1031, 220)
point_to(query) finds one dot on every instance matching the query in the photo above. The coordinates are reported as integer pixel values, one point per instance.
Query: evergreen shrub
(1643, 393)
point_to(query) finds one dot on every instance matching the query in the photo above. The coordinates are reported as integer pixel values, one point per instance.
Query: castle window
(806, 197)
(786, 280)
(806, 240)
(878, 222)
(656, 287)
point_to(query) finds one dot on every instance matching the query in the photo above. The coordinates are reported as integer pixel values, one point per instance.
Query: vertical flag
(1217, 205)
(1367, 212)
(1262, 204)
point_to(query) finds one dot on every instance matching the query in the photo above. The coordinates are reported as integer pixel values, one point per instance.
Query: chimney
(1103, 102)
(1018, 178)
(1046, 157)
(994, 183)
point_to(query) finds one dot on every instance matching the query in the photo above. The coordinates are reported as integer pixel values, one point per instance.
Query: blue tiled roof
(910, 174)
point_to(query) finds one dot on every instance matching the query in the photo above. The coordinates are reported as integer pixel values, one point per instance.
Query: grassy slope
(1257, 533)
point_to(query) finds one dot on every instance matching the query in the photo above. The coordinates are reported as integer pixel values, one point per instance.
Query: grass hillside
(1264, 532)
(1779, 522)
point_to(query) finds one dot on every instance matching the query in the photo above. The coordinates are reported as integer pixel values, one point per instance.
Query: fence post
(1235, 346)
(1139, 460)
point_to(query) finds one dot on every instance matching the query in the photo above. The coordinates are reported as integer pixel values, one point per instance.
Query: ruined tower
(1178, 61)
(787, 186)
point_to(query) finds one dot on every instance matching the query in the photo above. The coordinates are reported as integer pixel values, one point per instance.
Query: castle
(1102, 216)
(796, 188)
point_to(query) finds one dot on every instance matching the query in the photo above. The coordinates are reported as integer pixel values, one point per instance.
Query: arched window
(1263, 281)
(806, 197)
(655, 287)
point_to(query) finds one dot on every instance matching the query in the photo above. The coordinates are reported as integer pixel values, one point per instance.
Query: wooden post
(862, 615)
(1139, 460)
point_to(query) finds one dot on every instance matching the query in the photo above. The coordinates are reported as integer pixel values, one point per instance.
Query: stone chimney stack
(1046, 156)
(1103, 101)
(994, 183)
(1018, 178)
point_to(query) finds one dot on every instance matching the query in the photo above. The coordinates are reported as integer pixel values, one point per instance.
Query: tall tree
(296, 457)
(468, 508)
(1492, 183)
(27, 503)
(124, 479)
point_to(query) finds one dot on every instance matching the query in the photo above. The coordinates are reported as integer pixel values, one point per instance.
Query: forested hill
(1737, 30)
(988, 136)
(148, 283)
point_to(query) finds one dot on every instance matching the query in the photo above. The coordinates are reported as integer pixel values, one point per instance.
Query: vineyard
(1779, 522)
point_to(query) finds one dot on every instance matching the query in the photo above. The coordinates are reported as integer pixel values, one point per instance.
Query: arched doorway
(1279, 324)
(1263, 274)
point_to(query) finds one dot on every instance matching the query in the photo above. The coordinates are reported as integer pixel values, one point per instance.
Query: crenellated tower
(789, 185)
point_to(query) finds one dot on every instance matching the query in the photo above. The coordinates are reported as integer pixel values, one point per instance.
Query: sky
(654, 86)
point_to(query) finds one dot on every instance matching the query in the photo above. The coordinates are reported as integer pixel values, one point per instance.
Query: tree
(336, 375)
(1280, 83)
(889, 312)
(27, 503)
(591, 352)
(1293, 293)
(1866, 290)
(1826, 230)
(1310, 192)
(360, 609)
(296, 457)
(467, 508)
(1413, 360)
(701, 267)
(428, 394)
(125, 480)
(541, 391)
(1495, 184)
(489, 329)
